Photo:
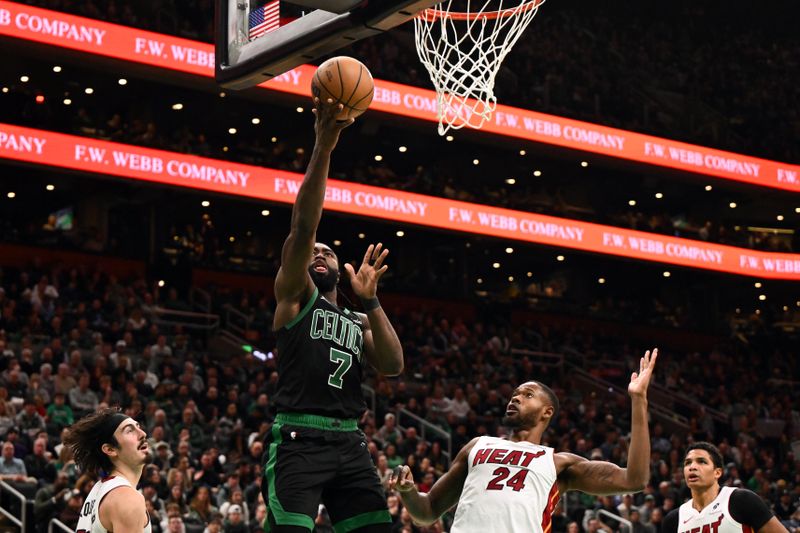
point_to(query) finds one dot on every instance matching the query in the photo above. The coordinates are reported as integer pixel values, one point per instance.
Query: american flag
(264, 19)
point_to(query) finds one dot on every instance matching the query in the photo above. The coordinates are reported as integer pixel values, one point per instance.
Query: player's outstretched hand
(326, 126)
(641, 379)
(365, 281)
(401, 479)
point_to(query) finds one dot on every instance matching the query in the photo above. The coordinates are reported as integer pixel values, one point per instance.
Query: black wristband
(370, 303)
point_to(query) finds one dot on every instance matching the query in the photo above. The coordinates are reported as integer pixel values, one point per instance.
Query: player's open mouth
(511, 410)
(144, 447)
(692, 478)
(320, 266)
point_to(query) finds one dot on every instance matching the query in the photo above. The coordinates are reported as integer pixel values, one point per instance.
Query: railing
(186, 319)
(236, 322)
(627, 523)
(200, 300)
(426, 427)
(670, 399)
(554, 360)
(56, 523)
(21, 523)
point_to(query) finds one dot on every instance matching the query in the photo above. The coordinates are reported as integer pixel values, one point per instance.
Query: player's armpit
(593, 477)
(447, 490)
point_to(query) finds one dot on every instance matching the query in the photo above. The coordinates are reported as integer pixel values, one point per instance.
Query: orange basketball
(346, 81)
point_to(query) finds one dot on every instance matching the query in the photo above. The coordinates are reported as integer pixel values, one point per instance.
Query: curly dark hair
(86, 436)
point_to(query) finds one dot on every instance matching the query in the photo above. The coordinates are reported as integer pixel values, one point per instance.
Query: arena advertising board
(183, 55)
(158, 166)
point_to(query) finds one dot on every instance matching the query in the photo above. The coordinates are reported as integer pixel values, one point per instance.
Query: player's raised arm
(427, 508)
(293, 285)
(600, 477)
(381, 345)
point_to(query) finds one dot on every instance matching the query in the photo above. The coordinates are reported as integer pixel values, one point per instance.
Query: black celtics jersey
(320, 354)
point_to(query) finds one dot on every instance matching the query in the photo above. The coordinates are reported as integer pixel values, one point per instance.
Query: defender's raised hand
(365, 281)
(641, 379)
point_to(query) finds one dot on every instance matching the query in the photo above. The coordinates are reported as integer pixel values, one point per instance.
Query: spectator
(63, 382)
(30, 422)
(12, 468)
(38, 465)
(50, 500)
(233, 522)
(388, 433)
(201, 509)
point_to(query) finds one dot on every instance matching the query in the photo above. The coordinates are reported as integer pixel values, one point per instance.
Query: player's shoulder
(123, 496)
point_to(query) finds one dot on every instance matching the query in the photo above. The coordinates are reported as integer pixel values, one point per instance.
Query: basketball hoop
(462, 52)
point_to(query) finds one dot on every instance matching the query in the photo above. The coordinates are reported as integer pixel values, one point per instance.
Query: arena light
(511, 181)
(337, 242)
(56, 69)
(5, 90)
(709, 187)
(232, 131)
(522, 152)
(560, 258)
(762, 297)
(631, 203)
(510, 279)
(177, 107)
(476, 162)
(88, 90)
(274, 139)
(402, 149)
(231, 239)
(379, 158)
(797, 209)
(24, 79)
(39, 98)
(757, 284)
(509, 250)
(530, 274)
(222, 94)
(495, 265)
(225, 148)
(50, 187)
(255, 121)
(265, 212)
(299, 109)
(205, 203)
(11, 194)
(480, 280)
(67, 101)
(122, 81)
(361, 236)
(584, 164)
(449, 138)
(537, 173)
(601, 281)
(161, 283)
(667, 273)
(659, 195)
(732, 205)
(400, 233)
(779, 218)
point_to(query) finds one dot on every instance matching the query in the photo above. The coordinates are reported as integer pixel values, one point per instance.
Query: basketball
(346, 81)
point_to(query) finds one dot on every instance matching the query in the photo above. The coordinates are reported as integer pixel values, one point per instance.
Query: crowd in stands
(71, 341)
(711, 74)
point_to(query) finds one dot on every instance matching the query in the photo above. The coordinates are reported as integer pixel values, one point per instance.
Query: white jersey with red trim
(510, 487)
(89, 520)
(715, 518)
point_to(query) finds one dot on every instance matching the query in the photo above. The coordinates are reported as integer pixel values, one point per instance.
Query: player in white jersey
(115, 446)
(713, 509)
(512, 485)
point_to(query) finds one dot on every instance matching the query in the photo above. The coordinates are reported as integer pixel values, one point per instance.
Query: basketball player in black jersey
(713, 509)
(315, 451)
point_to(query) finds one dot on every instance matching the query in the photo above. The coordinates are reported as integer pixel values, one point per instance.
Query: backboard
(308, 30)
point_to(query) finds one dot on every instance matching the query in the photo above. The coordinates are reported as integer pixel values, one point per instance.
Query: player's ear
(548, 412)
(718, 473)
(109, 449)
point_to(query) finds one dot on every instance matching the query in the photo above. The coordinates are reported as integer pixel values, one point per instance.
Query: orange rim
(432, 15)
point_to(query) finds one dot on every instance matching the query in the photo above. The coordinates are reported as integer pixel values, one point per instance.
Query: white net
(463, 51)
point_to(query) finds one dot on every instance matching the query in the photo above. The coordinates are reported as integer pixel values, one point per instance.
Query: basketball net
(463, 51)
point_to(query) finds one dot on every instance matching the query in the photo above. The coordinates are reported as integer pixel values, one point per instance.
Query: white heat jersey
(89, 520)
(715, 518)
(510, 487)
